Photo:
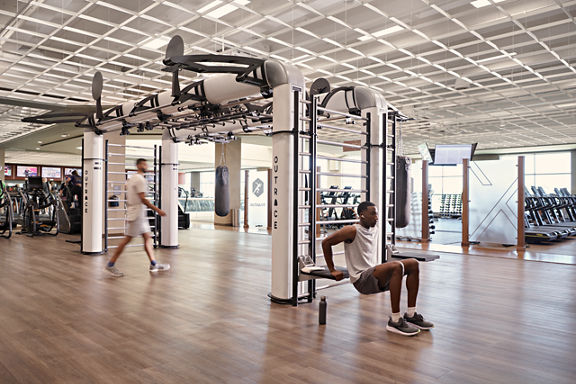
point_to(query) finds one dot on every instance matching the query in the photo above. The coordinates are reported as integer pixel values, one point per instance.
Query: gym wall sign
(275, 189)
(258, 187)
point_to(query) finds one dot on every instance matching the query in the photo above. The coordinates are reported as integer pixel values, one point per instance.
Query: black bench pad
(325, 273)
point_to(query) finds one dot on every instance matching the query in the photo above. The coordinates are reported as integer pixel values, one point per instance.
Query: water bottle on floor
(323, 308)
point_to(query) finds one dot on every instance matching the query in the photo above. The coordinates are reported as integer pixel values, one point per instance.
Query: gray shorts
(367, 284)
(137, 227)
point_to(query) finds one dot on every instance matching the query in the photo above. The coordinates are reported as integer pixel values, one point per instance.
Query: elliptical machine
(6, 212)
(40, 212)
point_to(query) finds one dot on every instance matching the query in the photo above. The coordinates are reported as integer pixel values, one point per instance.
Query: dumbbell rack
(431, 224)
(451, 205)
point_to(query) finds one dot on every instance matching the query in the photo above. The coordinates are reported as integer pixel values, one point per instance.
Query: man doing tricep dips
(368, 277)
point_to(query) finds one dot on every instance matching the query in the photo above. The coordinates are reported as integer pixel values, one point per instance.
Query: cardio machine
(40, 210)
(69, 210)
(183, 216)
(544, 210)
(6, 212)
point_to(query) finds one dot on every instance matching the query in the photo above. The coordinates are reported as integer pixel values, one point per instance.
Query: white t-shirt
(361, 254)
(135, 185)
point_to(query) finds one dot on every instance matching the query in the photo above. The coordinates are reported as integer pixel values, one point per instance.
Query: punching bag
(403, 191)
(222, 191)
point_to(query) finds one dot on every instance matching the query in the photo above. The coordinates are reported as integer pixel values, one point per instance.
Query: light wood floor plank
(498, 320)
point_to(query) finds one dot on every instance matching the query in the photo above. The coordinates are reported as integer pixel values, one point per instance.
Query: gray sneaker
(159, 267)
(402, 328)
(114, 271)
(418, 321)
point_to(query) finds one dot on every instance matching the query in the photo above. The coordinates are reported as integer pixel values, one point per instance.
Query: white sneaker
(159, 267)
(114, 271)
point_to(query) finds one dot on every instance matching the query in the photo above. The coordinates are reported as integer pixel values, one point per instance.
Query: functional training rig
(245, 95)
(369, 126)
(116, 200)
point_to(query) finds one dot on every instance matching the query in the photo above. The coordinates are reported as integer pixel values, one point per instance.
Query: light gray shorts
(367, 284)
(137, 227)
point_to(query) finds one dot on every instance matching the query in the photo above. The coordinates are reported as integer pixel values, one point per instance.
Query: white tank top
(361, 254)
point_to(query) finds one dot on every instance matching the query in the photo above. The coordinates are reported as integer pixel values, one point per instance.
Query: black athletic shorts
(367, 284)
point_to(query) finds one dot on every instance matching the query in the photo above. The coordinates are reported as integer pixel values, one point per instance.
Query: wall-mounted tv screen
(453, 154)
(8, 170)
(68, 171)
(26, 171)
(52, 172)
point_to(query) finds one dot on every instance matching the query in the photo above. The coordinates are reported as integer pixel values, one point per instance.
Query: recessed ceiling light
(484, 3)
(64, 135)
(37, 148)
(383, 32)
(156, 42)
(39, 142)
(223, 10)
(78, 147)
(496, 57)
(209, 6)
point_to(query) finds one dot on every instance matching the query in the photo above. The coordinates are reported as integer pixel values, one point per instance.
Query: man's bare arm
(347, 233)
(147, 203)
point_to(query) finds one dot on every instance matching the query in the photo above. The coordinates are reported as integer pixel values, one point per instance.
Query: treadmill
(535, 209)
(562, 206)
(534, 235)
(570, 201)
(550, 211)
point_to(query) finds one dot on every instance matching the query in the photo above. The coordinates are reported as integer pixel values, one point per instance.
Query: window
(207, 183)
(547, 170)
(445, 179)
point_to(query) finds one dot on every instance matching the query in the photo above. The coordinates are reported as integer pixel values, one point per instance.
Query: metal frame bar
(341, 159)
(157, 192)
(393, 175)
(368, 154)
(341, 129)
(312, 147)
(106, 144)
(356, 117)
(385, 197)
(296, 175)
(337, 144)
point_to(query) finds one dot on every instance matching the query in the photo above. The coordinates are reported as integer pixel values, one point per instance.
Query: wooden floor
(63, 320)
(561, 252)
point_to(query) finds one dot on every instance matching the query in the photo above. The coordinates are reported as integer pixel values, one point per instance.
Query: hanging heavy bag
(222, 191)
(403, 191)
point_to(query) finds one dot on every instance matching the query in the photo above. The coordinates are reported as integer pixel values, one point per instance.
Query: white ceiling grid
(498, 72)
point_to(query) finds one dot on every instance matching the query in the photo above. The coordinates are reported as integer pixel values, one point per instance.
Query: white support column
(283, 190)
(169, 198)
(375, 182)
(93, 186)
